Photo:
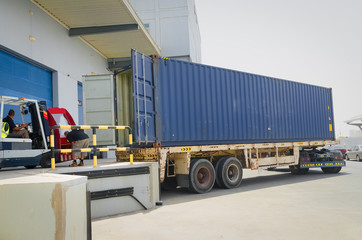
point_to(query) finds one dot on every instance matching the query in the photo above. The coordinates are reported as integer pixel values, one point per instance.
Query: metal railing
(94, 148)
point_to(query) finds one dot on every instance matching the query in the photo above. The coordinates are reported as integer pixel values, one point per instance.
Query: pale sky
(316, 42)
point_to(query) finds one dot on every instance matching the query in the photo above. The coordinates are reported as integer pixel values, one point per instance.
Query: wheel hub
(203, 177)
(232, 173)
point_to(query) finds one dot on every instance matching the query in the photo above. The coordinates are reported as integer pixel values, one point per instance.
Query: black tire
(336, 169)
(331, 169)
(216, 167)
(358, 158)
(30, 167)
(202, 176)
(169, 184)
(296, 170)
(45, 160)
(347, 158)
(229, 173)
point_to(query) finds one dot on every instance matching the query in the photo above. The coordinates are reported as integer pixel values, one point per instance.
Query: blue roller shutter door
(19, 78)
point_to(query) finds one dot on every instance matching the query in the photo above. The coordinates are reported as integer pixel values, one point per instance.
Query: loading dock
(113, 188)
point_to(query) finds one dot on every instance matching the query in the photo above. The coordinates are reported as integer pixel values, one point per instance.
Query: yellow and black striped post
(131, 158)
(94, 148)
(52, 160)
(130, 142)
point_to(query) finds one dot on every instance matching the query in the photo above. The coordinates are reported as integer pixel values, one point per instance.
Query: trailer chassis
(223, 164)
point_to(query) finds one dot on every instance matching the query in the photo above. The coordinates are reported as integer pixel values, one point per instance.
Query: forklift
(27, 152)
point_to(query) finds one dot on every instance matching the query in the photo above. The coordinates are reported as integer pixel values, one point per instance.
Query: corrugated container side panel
(209, 105)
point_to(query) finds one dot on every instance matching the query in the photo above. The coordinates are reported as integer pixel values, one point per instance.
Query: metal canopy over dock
(110, 27)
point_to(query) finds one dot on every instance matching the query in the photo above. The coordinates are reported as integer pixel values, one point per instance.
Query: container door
(143, 85)
(99, 106)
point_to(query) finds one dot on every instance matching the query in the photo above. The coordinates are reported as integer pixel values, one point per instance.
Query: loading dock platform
(109, 189)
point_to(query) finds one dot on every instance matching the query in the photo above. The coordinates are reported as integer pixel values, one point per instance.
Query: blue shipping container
(198, 105)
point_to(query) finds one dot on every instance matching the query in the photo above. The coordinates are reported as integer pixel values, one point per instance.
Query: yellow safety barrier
(103, 149)
(94, 148)
(85, 150)
(65, 150)
(95, 162)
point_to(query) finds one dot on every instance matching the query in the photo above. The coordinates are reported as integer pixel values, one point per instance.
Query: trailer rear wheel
(202, 176)
(331, 169)
(229, 173)
(296, 170)
(216, 167)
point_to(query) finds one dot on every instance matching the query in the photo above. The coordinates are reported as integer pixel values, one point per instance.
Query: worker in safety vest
(5, 130)
(15, 131)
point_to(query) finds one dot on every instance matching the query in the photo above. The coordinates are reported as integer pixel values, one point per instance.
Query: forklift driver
(14, 130)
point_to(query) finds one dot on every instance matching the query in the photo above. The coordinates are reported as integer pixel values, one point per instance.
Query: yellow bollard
(52, 140)
(130, 141)
(52, 163)
(131, 158)
(95, 161)
(52, 159)
(94, 148)
(94, 140)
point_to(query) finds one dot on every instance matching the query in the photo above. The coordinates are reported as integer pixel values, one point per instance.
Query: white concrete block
(43, 206)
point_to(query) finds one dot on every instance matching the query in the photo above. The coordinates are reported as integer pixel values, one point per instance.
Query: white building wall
(173, 24)
(195, 38)
(69, 56)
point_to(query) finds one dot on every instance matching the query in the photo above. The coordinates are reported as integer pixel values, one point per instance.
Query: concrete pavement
(268, 205)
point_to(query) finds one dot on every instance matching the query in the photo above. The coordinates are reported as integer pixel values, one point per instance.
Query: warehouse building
(47, 46)
(173, 25)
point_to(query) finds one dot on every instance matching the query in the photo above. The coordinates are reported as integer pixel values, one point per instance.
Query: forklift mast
(37, 131)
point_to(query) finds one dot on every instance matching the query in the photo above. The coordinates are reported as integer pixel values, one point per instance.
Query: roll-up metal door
(19, 78)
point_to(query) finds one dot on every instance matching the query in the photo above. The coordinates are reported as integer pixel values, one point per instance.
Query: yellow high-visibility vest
(5, 130)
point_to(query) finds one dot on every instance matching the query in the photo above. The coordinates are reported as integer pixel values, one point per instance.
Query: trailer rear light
(338, 156)
(304, 159)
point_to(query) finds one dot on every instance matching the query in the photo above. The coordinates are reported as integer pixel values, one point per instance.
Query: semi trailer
(205, 124)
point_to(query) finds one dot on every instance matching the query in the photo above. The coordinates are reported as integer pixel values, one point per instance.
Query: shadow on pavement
(182, 195)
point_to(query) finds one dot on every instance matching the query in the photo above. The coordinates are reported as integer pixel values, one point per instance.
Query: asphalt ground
(267, 205)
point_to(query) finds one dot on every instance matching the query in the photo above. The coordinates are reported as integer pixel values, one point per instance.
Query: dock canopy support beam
(81, 31)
